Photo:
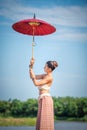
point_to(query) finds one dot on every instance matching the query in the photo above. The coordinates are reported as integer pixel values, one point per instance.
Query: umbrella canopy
(33, 27)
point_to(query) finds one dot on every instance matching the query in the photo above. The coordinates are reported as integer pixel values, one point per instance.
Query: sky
(68, 46)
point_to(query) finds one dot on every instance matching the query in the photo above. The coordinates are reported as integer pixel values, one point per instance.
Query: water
(60, 125)
(70, 126)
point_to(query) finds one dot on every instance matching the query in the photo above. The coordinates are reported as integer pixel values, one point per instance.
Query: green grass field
(10, 121)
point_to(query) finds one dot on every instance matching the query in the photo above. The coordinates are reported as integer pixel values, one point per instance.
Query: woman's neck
(49, 73)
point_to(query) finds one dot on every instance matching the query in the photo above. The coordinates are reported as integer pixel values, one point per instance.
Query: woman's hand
(31, 63)
(32, 75)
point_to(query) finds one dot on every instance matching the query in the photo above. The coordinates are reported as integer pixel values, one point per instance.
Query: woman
(45, 116)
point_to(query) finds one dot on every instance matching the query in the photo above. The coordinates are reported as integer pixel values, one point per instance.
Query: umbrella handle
(33, 44)
(33, 48)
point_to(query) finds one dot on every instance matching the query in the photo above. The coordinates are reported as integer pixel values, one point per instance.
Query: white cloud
(66, 16)
(69, 34)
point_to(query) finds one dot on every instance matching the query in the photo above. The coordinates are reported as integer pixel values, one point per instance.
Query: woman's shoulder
(46, 76)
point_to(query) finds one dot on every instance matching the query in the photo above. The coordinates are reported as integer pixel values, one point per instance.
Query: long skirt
(45, 116)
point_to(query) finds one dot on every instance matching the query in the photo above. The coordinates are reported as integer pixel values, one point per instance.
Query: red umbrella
(33, 27)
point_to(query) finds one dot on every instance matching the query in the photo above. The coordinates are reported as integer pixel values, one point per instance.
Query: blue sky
(68, 46)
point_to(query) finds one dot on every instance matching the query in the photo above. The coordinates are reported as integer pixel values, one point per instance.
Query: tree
(30, 107)
(16, 108)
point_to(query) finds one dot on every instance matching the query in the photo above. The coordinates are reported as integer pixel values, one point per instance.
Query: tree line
(63, 107)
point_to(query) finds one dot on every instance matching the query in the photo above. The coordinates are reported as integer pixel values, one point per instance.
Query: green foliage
(4, 108)
(30, 108)
(70, 107)
(16, 107)
(64, 107)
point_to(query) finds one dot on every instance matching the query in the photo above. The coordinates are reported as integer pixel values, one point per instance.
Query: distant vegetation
(64, 107)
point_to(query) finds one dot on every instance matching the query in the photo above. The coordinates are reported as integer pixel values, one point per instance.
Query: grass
(83, 119)
(11, 121)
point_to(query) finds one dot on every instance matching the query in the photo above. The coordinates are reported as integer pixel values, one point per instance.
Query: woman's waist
(43, 91)
(41, 95)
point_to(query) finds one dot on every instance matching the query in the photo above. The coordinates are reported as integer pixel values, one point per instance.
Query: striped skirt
(45, 116)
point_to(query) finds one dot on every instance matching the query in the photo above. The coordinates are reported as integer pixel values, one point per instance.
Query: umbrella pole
(33, 45)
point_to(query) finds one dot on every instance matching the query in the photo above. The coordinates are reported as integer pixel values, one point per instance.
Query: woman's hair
(52, 64)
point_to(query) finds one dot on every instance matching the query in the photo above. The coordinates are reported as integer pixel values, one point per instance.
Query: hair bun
(55, 64)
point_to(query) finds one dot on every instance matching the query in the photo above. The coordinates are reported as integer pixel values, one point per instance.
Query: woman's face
(46, 68)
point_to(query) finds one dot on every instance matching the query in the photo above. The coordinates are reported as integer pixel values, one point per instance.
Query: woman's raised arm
(41, 76)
